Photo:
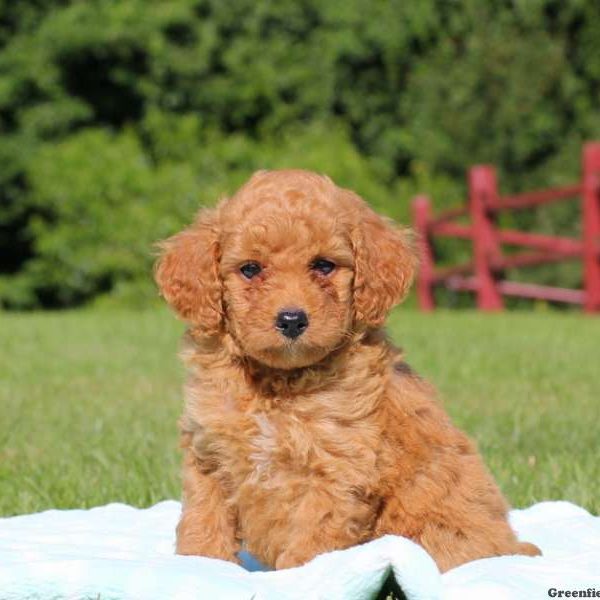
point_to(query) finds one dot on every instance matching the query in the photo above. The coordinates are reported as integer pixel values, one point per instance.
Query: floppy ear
(384, 266)
(187, 272)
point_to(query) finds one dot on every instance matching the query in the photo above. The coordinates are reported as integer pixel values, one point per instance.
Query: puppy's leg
(453, 534)
(207, 527)
(452, 548)
(438, 491)
(322, 523)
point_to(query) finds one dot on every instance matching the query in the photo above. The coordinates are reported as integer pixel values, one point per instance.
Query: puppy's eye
(249, 270)
(322, 265)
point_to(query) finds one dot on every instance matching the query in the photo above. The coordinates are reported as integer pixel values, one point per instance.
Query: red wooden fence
(484, 274)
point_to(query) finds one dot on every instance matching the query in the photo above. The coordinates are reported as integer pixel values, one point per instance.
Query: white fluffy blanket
(119, 552)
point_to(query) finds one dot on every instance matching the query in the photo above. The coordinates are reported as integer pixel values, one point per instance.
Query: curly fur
(293, 448)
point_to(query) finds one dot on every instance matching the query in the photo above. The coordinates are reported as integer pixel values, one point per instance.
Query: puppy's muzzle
(291, 323)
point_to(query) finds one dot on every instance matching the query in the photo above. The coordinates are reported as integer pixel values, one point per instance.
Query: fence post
(483, 191)
(421, 208)
(591, 225)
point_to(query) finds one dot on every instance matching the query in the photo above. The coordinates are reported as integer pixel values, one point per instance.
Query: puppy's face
(289, 266)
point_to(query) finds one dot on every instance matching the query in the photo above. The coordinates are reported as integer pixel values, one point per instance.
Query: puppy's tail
(528, 549)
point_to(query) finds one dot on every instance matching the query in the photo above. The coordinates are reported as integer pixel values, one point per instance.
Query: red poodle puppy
(304, 430)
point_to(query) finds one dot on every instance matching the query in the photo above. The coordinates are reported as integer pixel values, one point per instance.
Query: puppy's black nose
(291, 323)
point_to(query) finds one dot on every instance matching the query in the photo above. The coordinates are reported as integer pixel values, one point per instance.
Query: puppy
(304, 430)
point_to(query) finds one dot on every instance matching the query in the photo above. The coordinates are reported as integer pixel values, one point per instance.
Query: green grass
(89, 402)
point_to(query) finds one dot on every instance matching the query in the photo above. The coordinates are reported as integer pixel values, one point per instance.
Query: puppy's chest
(247, 443)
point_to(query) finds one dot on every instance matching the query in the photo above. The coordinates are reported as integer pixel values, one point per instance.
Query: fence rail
(484, 273)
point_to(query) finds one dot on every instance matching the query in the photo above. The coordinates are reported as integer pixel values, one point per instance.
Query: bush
(119, 119)
(99, 204)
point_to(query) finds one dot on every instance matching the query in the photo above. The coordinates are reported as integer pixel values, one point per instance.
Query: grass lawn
(90, 401)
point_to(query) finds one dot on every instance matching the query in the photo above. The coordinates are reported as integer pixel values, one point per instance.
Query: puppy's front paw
(186, 549)
(195, 545)
(290, 559)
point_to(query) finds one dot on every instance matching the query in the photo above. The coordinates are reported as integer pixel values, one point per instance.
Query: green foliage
(106, 204)
(119, 118)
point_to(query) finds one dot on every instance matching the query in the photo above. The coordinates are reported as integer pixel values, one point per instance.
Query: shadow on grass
(390, 590)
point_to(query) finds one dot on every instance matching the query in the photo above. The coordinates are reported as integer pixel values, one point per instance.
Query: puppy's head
(290, 267)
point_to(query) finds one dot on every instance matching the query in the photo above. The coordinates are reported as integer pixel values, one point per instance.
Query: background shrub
(119, 118)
